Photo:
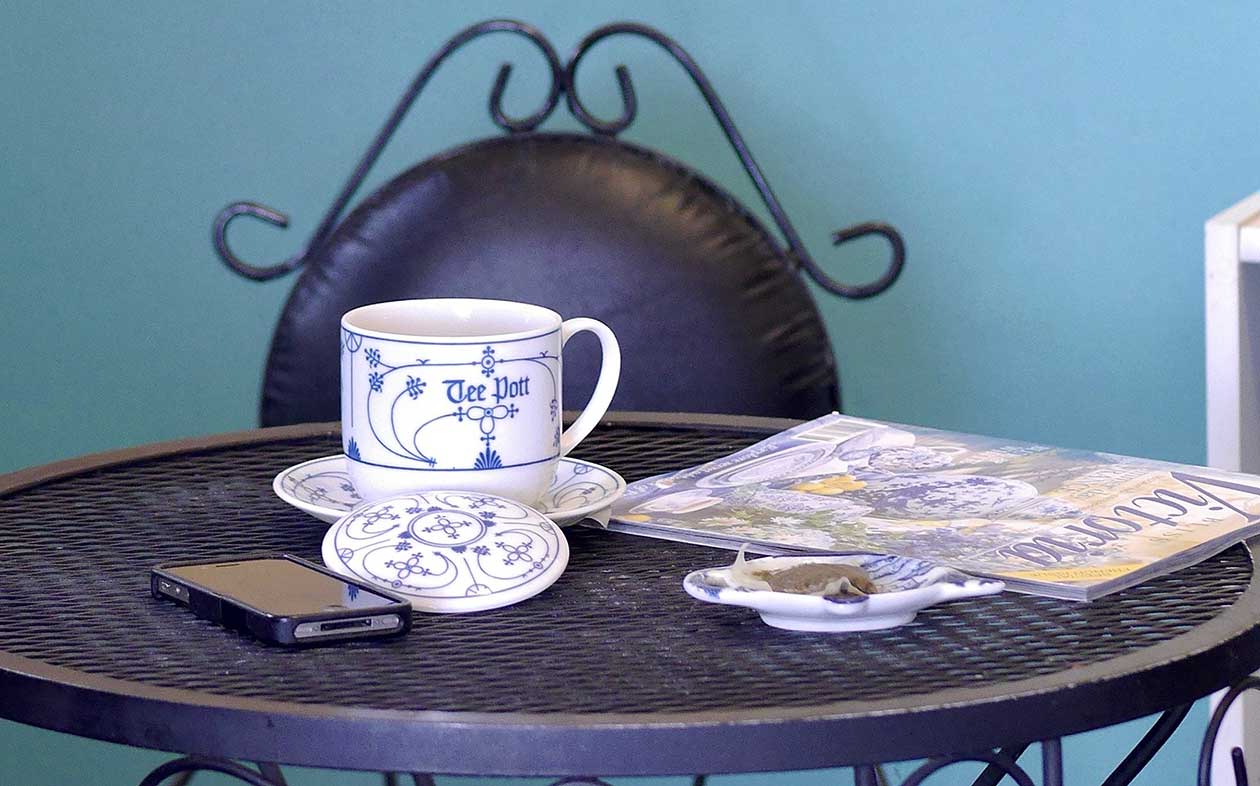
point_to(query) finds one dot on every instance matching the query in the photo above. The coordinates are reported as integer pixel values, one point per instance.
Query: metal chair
(711, 311)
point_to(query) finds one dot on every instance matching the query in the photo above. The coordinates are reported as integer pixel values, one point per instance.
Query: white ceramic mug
(460, 394)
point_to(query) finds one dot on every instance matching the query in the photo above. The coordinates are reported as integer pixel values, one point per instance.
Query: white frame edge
(1231, 244)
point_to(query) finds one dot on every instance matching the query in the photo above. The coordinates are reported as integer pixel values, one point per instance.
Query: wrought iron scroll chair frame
(564, 81)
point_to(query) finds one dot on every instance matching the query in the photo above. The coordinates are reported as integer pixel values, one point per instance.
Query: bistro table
(614, 670)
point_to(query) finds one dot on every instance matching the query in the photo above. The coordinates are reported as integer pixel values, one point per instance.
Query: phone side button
(386, 622)
(173, 590)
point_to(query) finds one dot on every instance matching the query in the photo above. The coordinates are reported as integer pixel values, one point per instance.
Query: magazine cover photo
(1051, 521)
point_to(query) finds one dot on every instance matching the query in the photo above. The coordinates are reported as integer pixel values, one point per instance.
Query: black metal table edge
(42, 473)
(1225, 649)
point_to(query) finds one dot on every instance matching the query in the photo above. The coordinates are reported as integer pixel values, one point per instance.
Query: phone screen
(280, 587)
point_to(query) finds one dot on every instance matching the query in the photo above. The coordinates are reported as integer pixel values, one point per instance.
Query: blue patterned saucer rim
(322, 488)
(905, 586)
(449, 552)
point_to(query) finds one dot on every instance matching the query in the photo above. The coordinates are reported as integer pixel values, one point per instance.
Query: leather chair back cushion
(710, 317)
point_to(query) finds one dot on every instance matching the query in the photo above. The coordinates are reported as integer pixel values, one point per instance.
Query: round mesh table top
(613, 670)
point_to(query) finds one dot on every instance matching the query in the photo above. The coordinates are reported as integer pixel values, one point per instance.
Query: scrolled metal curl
(996, 759)
(564, 79)
(796, 248)
(1214, 728)
(268, 774)
(326, 226)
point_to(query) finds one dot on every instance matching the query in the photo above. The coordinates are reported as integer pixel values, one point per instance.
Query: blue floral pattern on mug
(448, 406)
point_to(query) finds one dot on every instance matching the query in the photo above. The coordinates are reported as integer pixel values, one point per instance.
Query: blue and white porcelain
(579, 490)
(449, 551)
(321, 487)
(904, 586)
(461, 393)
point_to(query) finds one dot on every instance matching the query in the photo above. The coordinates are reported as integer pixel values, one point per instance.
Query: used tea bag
(827, 579)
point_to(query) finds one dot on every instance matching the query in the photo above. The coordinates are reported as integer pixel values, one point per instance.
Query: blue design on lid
(437, 548)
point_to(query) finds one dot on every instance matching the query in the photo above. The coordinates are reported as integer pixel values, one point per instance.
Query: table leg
(1147, 747)
(1003, 762)
(272, 772)
(1052, 762)
(417, 779)
(993, 773)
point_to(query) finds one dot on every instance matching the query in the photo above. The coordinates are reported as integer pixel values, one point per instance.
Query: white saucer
(449, 551)
(905, 586)
(581, 489)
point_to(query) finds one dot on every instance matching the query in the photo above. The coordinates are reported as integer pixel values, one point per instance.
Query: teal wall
(1050, 166)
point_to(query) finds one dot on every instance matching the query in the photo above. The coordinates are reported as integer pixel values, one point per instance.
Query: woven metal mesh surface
(615, 634)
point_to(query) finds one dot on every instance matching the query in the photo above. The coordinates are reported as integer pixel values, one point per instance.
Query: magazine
(1048, 521)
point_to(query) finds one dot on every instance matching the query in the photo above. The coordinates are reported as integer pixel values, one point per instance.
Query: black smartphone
(282, 599)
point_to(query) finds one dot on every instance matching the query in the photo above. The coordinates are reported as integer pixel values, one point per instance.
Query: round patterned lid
(449, 551)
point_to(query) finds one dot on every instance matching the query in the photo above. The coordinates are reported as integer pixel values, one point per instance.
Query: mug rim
(552, 316)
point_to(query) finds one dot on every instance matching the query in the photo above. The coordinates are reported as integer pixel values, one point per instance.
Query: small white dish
(449, 551)
(580, 489)
(904, 587)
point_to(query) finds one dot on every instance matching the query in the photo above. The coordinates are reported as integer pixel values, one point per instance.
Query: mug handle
(609, 373)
